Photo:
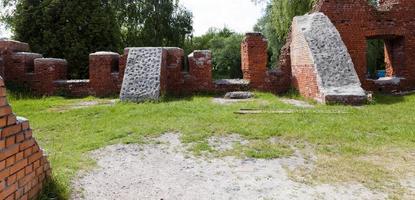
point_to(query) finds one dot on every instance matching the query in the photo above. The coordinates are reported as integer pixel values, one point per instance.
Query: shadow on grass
(52, 191)
(385, 99)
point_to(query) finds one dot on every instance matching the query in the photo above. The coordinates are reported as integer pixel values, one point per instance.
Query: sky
(238, 15)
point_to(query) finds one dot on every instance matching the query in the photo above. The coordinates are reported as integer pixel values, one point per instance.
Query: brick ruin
(393, 22)
(48, 76)
(355, 20)
(24, 169)
(322, 68)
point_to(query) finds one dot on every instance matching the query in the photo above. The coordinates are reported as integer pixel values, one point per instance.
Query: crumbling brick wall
(304, 75)
(24, 169)
(254, 57)
(48, 76)
(199, 78)
(48, 70)
(393, 21)
(104, 73)
(322, 69)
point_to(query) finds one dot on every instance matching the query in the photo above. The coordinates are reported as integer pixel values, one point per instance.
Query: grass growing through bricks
(373, 145)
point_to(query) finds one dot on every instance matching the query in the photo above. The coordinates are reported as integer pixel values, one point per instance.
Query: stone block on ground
(239, 95)
(143, 79)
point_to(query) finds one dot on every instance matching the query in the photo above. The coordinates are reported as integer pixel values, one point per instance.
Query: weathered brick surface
(394, 22)
(23, 167)
(175, 61)
(254, 56)
(73, 88)
(22, 64)
(104, 73)
(322, 69)
(255, 59)
(199, 78)
(46, 71)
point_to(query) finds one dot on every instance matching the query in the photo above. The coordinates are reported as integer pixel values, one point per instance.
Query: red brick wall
(20, 68)
(174, 68)
(7, 48)
(357, 21)
(103, 80)
(199, 78)
(73, 88)
(254, 59)
(304, 76)
(47, 70)
(254, 56)
(23, 167)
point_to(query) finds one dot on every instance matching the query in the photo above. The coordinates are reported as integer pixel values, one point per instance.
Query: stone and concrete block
(322, 68)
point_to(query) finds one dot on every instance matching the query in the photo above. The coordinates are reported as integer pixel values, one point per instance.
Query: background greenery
(226, 51)
(74, 29)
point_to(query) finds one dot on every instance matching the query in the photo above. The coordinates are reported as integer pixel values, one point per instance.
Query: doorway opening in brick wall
(385, 57)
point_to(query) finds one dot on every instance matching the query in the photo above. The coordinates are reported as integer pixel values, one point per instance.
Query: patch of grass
(364, 131)
(267, 150)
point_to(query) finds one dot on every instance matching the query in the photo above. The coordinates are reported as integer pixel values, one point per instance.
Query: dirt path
(164, 171)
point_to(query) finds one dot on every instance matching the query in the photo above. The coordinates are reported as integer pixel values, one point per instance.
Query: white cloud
(238, 15)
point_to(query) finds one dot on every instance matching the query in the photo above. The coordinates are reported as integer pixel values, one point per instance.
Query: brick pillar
(20, 69)
(7, 48)
(103, 79)
(174, 69)
(200, 70)
(254, 57)
(48, 70)
(24, 169)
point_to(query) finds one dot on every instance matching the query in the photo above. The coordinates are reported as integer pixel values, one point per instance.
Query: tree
(226, 51)
(283, 12)
(73, 29)
(66, 29)
(266, 26)
(153, 22)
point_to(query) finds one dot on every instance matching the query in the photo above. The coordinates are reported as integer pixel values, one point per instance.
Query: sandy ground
(163, 170)
(297, 103)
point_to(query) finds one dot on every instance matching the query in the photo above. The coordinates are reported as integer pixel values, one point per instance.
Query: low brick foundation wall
(24, 169)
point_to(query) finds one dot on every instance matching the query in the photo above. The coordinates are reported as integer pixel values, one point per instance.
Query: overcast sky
(238, 15)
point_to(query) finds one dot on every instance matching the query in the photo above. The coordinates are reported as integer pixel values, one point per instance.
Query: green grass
(359, 135)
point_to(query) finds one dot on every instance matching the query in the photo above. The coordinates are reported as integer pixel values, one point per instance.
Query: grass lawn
(373, 145)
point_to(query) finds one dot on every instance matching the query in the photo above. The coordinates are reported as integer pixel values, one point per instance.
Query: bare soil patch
(165, 170)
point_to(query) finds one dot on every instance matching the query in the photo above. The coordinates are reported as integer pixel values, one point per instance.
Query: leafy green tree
(67, 29)
(226, 51)
(73, 29)
(283, 12)
(276, 23)
(266, 26)
(153, 22)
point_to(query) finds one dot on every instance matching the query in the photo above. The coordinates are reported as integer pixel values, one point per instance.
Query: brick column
(254, 57)
(48, 70)
(7, 48)
(174, 65)
(20, 69)
(200, 70)
(102, 79)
